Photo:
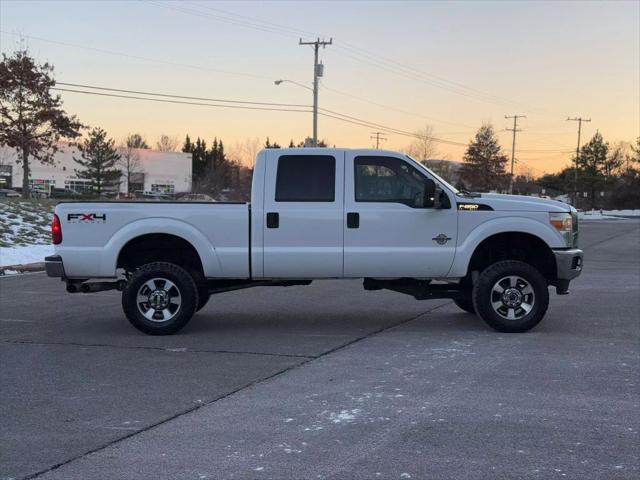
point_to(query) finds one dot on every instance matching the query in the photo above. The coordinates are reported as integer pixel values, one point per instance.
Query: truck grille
(574, 222)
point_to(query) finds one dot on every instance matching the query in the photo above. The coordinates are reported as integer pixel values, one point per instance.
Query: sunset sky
(453, 65)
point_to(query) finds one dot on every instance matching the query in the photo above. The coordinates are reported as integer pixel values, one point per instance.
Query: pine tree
(188, 146)
(484, 163)
(268, 144)
(592, 165)
(99, 156)
(198, 160)
(31, 118)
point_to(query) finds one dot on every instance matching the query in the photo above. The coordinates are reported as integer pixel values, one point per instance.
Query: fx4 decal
(86, 217)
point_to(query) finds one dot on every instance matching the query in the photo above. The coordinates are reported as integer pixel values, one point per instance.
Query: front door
(303, 208)
(390, 231)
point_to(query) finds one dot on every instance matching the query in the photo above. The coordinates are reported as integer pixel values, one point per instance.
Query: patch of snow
(25, 254)
(607, 214)
(344, 415)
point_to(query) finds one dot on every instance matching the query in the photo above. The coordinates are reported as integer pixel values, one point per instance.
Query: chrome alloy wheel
(512, 297)
(159, 299)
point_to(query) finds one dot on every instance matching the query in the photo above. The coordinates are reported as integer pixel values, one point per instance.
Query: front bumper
(569, 263)
(569, 266)
(54, 266)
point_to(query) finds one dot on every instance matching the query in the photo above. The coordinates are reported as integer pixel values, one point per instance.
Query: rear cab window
(306, 178)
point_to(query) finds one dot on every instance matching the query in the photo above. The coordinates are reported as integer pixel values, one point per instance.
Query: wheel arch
(514, 245)
(170, 237)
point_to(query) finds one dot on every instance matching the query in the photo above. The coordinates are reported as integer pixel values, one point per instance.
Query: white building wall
(159, 168)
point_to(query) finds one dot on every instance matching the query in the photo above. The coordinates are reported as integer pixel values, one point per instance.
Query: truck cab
(320, 213)
(349, 213)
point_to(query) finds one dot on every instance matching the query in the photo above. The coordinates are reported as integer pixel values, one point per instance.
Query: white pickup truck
(324, 213)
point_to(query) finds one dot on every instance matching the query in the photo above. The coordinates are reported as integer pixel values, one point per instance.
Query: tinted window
(389, 179)
(306, 178)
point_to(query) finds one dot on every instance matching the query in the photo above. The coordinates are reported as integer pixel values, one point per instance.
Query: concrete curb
(23, 268)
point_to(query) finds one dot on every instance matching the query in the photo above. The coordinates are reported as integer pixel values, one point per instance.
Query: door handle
(353, 220)
(273, 220)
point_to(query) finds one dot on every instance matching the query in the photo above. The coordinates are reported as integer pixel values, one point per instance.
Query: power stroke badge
(441, 239)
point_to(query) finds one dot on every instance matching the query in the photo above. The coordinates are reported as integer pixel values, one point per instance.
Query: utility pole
(318, 71)
(575, 173)
(378, 138)
(513, 145)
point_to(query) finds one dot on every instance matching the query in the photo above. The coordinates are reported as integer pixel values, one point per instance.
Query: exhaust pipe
(98, 286)
(91, 287)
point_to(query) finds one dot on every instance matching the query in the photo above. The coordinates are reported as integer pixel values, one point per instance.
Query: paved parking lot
(326, 381)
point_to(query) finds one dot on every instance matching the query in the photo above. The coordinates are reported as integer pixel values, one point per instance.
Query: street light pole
(317, 73)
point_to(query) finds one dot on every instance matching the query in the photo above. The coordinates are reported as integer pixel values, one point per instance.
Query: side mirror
(437, 197)
(429, 200)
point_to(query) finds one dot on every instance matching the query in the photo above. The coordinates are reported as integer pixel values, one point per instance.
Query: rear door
(303, 208)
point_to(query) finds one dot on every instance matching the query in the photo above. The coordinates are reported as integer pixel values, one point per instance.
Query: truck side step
(418, 289)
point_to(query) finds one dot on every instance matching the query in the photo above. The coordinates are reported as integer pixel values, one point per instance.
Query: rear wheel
(511, 296)
(160, 298)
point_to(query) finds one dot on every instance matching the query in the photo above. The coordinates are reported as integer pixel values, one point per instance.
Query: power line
(378, 137)
(251, 22)
(138, 92)
(347, 50)
(264, 106)
(513, 145)
(137, 57)
(390, 107)
(162, 100)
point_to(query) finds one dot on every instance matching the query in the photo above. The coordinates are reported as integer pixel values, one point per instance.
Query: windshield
(437, 177)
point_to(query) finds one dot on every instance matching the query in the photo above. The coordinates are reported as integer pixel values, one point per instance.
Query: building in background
(159, 172)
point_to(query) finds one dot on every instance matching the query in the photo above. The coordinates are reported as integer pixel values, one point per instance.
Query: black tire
(529, 288)
(181, 298)
(465, 304)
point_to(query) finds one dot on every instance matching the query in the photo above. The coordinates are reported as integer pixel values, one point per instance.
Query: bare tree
(444, 168)
(130, 159)
(251, 148)
(167, 144)
(423, 148)
(136, 140)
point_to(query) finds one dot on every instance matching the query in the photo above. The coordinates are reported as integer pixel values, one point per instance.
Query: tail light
(56, 230)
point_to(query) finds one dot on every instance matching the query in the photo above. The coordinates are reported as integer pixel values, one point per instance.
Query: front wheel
(511, 296)
(160, 298)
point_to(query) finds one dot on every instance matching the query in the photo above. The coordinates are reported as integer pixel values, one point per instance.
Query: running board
(418, 289)
(221, 286)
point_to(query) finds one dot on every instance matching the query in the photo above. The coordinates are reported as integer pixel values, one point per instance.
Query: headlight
(564, 224)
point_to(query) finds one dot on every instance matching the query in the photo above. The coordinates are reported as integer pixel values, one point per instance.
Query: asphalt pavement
(326, 381)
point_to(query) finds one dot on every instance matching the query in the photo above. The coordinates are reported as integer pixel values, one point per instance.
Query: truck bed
(93, 233)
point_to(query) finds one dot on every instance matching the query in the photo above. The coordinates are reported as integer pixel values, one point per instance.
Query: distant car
(38, 193)
(8, 193)
(65, 193)
(197, 197)
(147, 195)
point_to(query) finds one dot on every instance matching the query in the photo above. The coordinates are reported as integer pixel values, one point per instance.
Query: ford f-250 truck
(324, 213)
